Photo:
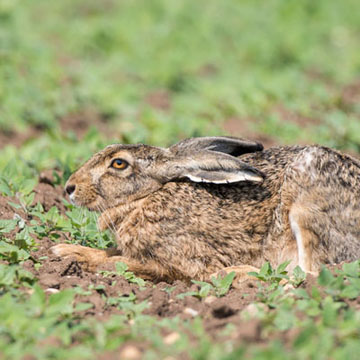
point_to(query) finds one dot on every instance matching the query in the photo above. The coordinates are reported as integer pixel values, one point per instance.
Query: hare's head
(122, 173)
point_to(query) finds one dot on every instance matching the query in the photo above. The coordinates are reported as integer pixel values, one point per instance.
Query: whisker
(112, 227)
(82, 227)
(98, 209)
(110, 223)
(95, 217)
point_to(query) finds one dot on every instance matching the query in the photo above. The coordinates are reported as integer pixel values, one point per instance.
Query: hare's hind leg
(296, 241)
(301, 196)
(321, 197)
(306, 239)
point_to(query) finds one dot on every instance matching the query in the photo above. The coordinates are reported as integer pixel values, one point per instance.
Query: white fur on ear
(214, 167)
(222, 177)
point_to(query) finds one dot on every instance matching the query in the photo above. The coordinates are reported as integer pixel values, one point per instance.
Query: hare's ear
(211, 167)
(224, 144)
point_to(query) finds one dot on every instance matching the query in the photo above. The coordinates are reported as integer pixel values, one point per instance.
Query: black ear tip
(242, 147)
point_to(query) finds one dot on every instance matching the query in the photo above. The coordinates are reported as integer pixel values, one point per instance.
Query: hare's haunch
(213, 203)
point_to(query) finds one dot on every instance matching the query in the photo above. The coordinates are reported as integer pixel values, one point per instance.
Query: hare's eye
(119, 164)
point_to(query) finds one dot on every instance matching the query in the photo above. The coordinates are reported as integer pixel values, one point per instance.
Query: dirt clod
(223, 312)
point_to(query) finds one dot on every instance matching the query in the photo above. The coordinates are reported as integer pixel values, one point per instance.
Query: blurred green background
(77, 75)
(155, 71)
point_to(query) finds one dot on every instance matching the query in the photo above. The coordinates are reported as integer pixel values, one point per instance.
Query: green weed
(219, 286)
(122, 270)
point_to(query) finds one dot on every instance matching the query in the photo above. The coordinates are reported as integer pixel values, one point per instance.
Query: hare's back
(274, 160)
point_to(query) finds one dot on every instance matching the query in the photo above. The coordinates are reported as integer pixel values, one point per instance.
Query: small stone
(171, 338)
(289, 287)
(130, 352)
(51, 291)
(191, 312)
(253, 310)
(210, 299)
(49, 281)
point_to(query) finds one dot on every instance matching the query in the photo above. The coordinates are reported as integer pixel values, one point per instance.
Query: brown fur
(169, 227)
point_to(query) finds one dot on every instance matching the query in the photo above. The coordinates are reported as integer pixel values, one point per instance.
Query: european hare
(213, 203)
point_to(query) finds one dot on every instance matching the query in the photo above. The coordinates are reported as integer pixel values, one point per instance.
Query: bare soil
(80, 123)
(16, 138)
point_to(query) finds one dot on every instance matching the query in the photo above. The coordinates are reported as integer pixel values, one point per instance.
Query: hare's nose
(70, 189)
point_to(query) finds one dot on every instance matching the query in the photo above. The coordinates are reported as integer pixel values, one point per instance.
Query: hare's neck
(113, 218)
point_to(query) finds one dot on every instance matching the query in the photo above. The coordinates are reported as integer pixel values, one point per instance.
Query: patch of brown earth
(159, 100)
(6, 210)
(80, 123)
(351, 93)
(207, 70)
(49, 195)
(16, 138)
(288, 115)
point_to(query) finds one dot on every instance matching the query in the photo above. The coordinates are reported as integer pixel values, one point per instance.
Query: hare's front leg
(91, 258)
(94, 258)
(241, 274)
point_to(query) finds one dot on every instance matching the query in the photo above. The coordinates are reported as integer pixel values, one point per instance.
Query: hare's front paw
(241, 274)
(90, 257)
(63, 250)
(66, 250)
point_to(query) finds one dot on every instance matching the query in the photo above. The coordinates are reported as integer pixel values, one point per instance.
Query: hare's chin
(91, 205)
(72, 200)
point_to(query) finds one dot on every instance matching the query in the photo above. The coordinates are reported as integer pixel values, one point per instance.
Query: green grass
(213, 61)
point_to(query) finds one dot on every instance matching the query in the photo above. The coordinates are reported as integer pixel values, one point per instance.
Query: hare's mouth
(72, 199)
(91, 205)
(96, 205)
